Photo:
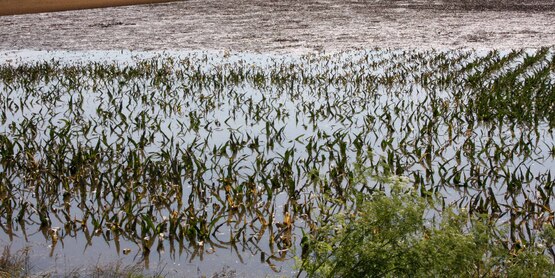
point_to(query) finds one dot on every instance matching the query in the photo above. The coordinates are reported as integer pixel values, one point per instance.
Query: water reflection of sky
(301, 113)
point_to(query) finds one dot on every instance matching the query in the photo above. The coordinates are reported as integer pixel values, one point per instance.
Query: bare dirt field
(10, 7)
(287, 26)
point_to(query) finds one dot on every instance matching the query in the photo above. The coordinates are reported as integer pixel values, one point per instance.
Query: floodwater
(281, 27)
(248, 258)
(288, 26)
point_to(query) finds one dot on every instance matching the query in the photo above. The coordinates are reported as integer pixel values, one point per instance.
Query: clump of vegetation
(14, 264)
(17, 264)
(401, 235)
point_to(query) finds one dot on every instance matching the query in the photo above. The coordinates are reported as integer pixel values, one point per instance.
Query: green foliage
(393, 235)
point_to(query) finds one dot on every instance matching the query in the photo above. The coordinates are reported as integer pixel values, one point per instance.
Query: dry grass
(18, 265)
(14, 265)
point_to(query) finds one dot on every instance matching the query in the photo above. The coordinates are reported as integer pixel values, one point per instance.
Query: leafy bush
(395, 235)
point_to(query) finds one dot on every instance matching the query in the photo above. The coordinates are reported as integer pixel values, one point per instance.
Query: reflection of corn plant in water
(197, 154)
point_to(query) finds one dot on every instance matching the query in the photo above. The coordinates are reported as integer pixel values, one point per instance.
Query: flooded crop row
(200, 155)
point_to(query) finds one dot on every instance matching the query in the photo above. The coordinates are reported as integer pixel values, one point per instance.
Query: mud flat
(286, 26)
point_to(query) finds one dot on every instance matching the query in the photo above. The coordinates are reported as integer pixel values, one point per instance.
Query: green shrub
(394, 235)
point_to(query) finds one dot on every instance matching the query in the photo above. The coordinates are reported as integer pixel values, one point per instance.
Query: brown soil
(12, 7)
(288, 26)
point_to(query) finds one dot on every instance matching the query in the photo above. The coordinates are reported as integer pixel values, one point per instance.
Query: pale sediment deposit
(287, 26)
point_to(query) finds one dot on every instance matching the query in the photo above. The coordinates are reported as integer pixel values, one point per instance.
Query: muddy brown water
(287, 26)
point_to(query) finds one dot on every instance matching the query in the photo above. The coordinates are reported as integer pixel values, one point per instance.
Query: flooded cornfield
(191, 162)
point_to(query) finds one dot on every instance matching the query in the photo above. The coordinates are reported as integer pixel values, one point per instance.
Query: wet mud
(287, 26)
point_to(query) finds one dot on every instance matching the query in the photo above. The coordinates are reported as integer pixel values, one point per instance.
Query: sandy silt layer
(12, 7)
